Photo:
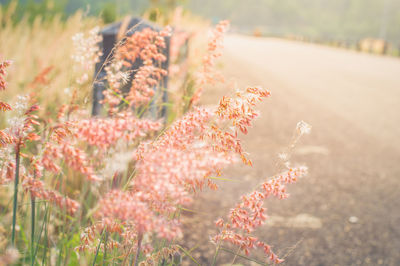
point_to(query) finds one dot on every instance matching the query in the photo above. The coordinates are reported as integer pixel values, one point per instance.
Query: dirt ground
(347, 211)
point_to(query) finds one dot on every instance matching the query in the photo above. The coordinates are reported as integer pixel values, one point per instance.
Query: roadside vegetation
(83, 190)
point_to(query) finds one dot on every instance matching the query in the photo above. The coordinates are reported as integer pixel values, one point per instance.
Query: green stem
(105, 249)
(215, 255)
(33, 209)
(139, 245)
(14, 218)
(46, 236)
(98, 248)
(41, 231)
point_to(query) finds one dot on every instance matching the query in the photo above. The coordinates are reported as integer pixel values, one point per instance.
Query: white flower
(124, 76)
(283, 156)
(81, 80)
(21, 104)
(86, 51)
(115, 75)
(303, 128)
(16, 122)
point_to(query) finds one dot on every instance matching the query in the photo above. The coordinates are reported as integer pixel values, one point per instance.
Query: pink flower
(207, 73)
(250, 214)
(148, 46)
(3, 72)
(37, 190)
(106, 132)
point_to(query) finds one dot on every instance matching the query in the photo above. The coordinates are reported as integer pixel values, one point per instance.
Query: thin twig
(188, 254)
(242, 256)
(291, 249)
(234, 258)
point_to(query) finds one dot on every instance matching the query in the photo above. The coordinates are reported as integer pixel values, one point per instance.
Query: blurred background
(370, 25)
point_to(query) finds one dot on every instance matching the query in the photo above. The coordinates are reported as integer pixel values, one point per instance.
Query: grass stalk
(242, 256)
(139, 245)
(46, 237)
(187, 253)
(16, 181)
(234, 258)
(98, 249)
(215, 255)
(105, 249)
(41, 230)
(33, 210)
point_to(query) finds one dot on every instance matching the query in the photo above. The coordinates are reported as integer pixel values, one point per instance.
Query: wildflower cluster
(165, 254)
(214, 45)
(137, 174)
(302, 128)
(86, 53)
(19, 131)
(4, 137)
(3, 73)
(168, 170)
(238, 112)
(63, 148)
(162, 182)
(106, 132)
(37, 189)
(116, 78)
(7, 166)
(250, 214)
(143, 47)
(207, 73)
(178, 39)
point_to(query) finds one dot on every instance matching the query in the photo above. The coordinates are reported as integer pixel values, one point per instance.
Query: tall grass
(109, 190)
(42, 45)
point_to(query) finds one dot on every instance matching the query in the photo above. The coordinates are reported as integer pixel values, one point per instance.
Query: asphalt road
(347, 211)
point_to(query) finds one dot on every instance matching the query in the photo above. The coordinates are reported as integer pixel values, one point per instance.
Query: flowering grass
(109, 189)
